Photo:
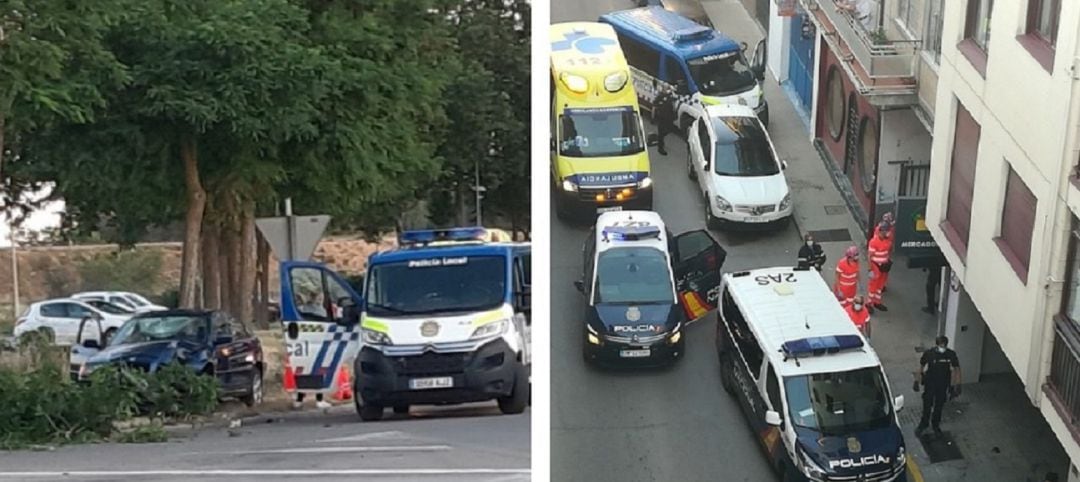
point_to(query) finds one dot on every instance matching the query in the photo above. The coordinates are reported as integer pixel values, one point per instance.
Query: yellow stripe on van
(489, 317)
(375, 325)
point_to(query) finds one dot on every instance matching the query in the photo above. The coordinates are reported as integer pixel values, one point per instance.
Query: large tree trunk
(196, 204)
(224, 271)
(262, 261)
(246, 298)
(211, 268)
(236, 295)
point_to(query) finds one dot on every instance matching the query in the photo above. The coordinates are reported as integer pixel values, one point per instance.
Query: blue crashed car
(208, 342)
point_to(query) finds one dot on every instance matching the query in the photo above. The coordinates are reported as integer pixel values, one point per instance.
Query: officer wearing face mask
(939, 372)
(810, 254)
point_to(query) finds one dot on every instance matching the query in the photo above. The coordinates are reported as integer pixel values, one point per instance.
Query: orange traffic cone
(344, 385)
(289, 378)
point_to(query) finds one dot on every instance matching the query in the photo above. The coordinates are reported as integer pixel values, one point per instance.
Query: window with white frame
(934, 24)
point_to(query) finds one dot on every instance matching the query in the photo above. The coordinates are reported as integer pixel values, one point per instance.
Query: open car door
(320, 313)
(88, 343)
(697, 259)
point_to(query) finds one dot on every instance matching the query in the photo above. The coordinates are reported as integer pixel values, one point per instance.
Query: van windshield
(603, 132)
(633, 275)
(722, 75)
(437, 285)
(839, 403)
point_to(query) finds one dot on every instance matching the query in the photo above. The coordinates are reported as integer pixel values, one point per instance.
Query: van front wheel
(519, 396)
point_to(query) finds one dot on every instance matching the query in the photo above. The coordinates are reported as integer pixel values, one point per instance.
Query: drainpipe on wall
(1056, 246)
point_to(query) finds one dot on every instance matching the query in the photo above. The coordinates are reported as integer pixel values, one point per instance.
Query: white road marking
(367, 436)
(283, 472)
(332, 450)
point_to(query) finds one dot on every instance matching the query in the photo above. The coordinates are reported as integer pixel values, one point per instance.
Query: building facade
(1004, 195)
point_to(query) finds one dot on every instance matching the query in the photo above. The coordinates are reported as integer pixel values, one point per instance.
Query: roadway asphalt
(463, 443)
(661, 424)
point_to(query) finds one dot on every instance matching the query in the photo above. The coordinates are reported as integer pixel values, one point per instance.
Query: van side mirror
(773, 418)
(552, 145)
(91, 344)
(783, 165)
(898, 403)
(580, 285)
(350, 315)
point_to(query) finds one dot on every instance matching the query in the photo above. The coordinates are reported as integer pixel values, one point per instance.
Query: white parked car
(133, 301)
(58, 320)
(734, 162)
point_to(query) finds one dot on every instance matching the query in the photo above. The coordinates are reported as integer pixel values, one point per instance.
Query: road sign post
(293, 237)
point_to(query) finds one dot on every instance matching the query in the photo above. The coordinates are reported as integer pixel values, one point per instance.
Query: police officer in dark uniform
(811, 254)
(663, 115)
(939, 372)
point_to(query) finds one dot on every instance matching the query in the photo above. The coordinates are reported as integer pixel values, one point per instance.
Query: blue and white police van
(701, 65)
(444, 319)
(811, 385)
(643, 286)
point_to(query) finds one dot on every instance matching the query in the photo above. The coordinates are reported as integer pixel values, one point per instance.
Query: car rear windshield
(633, 275)
(722, 75)
(839, 403)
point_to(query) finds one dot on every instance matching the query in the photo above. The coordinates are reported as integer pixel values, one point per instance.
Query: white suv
(734, 162)
(134, 301)
(58, 320)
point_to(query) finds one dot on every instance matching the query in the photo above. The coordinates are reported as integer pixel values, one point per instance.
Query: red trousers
(878, 279)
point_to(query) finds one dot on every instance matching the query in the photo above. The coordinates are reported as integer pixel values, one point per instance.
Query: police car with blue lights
(811, 385)
(443, 319)
(643, 286)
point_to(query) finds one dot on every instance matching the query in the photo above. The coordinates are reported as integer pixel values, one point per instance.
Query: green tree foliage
(54, 68)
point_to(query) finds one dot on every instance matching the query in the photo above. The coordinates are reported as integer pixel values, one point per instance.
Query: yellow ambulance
(599, 150)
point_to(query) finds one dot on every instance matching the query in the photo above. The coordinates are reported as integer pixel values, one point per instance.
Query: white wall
(903, 138)
(1016, 110)
(778, 41)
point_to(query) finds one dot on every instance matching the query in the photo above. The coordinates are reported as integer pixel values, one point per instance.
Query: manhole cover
(831, 235)
(835, 210)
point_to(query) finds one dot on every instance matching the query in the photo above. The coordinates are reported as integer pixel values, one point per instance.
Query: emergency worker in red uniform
(879, 250)
(859, 315)
(847, 276)
(887, 219)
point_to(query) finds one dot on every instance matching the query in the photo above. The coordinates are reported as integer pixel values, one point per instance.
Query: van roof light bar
(821, 345)
(698, 32)
(631, 233)
(455, 235)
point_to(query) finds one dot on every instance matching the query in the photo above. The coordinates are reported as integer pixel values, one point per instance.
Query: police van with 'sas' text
(811, 385)
(643, 286)
(444, 319)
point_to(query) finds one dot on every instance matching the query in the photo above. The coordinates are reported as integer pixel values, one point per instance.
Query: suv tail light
(20, 321)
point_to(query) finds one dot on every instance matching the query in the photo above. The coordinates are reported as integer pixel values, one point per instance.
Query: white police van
(636, 278)
(443, 319)
(812, 387)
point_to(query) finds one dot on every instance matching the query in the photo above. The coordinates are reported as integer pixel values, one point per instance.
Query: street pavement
(472, 442)
(659, 424)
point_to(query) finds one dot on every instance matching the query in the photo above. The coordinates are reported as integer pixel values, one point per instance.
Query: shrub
(133, 270)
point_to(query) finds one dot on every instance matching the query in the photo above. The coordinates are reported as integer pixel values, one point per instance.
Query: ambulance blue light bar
(820, 345)
(631, 233)
(434, 235)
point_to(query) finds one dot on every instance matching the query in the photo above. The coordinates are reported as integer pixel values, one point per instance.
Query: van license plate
(429, 383)
(635, 353)
(608, 209)
(754, 219)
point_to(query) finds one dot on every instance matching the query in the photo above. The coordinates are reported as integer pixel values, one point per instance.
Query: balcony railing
(1063, 384)
(886, 64)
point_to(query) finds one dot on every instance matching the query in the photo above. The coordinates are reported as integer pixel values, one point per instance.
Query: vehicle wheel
(40, 335)
(519, 396)
(368, 412)
(690, 166)
(254, 395)
(711, 222)
(401, 409)
(726, 375)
